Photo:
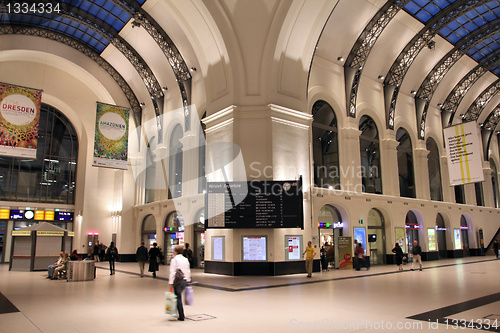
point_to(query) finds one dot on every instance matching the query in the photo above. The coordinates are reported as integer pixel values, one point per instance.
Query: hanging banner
(463, 147)
(111, 136)
(19, 119)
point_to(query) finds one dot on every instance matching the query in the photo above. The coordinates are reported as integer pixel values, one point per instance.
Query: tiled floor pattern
(379, 300)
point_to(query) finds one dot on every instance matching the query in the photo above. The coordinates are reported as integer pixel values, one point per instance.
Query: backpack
(179, 276)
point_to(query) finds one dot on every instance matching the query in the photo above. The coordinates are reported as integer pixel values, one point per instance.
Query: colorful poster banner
(345, 252)
(463, 147)
(400, 238)
(19, 119)
(111, 136)
(432, 239)
(456, 239)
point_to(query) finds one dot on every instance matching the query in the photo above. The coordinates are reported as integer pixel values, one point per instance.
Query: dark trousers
(111, 267)
(178, 292)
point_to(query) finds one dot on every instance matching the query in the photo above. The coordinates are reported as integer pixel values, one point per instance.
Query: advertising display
(16, 214)
(4, 214)
(254, 248)
(218, 248)
(111, 136)
(431, 239)
(262, 204)
(294, 247)
(49, 215)
(400, 238)
(360, 236)
(19, 120)
(463, 148)
(63, 216)
(457, 240)
(345, 252)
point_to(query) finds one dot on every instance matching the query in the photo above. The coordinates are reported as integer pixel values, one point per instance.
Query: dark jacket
(417, 250)
(112, 253)
(154, 256)
(141, 254)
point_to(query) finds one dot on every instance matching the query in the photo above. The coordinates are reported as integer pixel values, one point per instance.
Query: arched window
(149, 230)
(494, 182)
(175, 162)
(459, 194)
(51, 177)
(433, 164)
(478, 187)
(325, 146)
(405, 164)
(329, 217)
(370, 156)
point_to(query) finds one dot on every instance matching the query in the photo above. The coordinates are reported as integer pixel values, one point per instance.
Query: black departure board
(254, 204)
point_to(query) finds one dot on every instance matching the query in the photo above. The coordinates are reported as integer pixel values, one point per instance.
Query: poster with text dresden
(19, 118)
(463, 147)
(111, 136)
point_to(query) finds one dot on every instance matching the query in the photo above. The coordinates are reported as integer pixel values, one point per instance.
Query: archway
(199, 239)
(376, 237)
(441, 236)
(329, 219)
(412, 230)
(174, 233)
(148, 231)
(464, 235)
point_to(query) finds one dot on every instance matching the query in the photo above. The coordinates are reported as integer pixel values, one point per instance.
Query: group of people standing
(155, 257)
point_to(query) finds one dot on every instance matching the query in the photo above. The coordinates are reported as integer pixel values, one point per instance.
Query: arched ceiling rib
(397, 73)
(481, 101)
(450, 106)
(361, 49)
(97, 23)
(433, 79)
(91, 53)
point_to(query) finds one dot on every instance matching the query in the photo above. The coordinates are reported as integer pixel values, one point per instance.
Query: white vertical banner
(463, 147)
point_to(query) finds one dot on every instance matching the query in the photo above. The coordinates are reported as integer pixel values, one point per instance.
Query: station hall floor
(448, 295)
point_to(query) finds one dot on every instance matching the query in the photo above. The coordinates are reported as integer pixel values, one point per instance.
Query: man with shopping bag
(180, 274)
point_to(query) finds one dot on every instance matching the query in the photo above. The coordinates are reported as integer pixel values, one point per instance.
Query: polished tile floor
(448, 295)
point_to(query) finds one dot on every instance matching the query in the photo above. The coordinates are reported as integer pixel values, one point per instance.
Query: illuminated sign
(49, 233)
(49, 215)
(29, 214)
(16, 214)
(39, 215)
(64, 216)
(4, 214)
(413, 226)
(331, 225)
(464, 227)
(21, 233)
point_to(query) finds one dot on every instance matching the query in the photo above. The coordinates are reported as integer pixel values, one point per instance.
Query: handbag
(188, 296)
(170, 303)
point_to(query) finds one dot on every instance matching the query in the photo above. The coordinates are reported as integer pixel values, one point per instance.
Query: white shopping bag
(170, 303)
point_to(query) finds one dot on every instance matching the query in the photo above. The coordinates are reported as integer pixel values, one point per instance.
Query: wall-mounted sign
(254, 248)
(254, 204)
(4, 214)
(49, 215)
(464, 227)
(64, 216)
(29, 214)
(39, 215)
(294, 247)
(50, 233)
(413, 226)
(16, 214)
(218, 248)
(21, 232)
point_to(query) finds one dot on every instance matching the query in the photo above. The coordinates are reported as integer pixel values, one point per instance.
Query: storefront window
(325, 146)
(371, 176)
(51, 177)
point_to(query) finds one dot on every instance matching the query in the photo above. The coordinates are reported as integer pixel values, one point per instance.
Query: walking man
(179, 262)
(141, 255)
(417, 255)
(309, 253)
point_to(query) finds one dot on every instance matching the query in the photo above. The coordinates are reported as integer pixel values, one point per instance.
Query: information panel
(254, 248)
(262, 204)
(294, 247)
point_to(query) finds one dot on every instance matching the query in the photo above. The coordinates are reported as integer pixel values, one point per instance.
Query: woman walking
(154, 259)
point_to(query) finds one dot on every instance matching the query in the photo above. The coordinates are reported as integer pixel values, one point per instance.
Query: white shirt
(179, 261)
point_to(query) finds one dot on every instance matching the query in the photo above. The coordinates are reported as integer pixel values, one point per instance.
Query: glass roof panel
(472, 19)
